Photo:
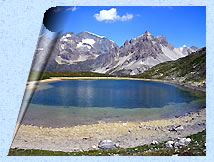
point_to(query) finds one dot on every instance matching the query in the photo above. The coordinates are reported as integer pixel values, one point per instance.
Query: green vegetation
(195, 148)
(35, 75)
(191, 68)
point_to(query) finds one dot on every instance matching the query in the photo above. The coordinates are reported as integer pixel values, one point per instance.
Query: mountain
(81, 47)
(141, 53)
(190, 69)
(89, 52)
(80, 52)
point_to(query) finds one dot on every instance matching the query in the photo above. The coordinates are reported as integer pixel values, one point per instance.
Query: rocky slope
(141, 53)
(190, 69)
(89, 52)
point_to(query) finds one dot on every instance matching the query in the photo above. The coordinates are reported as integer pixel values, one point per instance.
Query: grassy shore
(125, 135)
(36, 75)
(195, 148)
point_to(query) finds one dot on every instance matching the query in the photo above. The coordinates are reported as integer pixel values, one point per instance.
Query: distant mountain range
(86, 51)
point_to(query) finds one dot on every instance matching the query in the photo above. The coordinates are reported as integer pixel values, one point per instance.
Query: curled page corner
(44, 49)
(107, 78)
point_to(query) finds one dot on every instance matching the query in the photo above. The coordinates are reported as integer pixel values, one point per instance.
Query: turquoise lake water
(76, 102)
(111, 93)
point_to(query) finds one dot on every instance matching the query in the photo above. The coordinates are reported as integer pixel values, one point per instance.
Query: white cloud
(126, 17)
(72, 9)
(111, 15)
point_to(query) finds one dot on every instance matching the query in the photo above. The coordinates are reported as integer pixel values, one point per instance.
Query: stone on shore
(176, 128)
(94, 147)
(178, 142)
(86, 137)
(184, 141)
(106, 144)
(124, 124)
(154, 142)
(169, 144)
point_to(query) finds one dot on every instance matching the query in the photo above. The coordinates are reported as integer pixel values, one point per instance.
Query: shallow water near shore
(77, 102)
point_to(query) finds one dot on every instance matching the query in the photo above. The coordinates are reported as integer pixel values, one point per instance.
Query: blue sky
(180, 25)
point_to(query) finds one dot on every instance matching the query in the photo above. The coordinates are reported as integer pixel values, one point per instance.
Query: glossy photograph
(116, 81)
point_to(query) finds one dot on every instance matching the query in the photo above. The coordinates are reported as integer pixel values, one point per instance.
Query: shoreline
(34, 84)
(123, 134)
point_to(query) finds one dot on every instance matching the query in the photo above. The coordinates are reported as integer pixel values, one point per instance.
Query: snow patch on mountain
(141, 53)
(81, 44)
(89, 41)
(64, 37)
(87, 51)
(95, 34)
(81, 58)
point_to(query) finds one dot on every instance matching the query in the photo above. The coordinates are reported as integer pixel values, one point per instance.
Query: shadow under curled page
(85, 92)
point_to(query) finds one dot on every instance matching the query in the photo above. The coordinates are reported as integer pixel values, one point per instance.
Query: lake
(75, 102)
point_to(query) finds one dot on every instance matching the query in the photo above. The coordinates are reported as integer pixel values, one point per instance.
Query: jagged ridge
(89, 52)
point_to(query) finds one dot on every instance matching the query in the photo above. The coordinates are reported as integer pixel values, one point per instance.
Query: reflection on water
(111, 93)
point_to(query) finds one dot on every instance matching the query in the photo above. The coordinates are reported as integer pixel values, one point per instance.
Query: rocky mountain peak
(146, 36)
(147, 33)
(194, 48)
(162, 38)
(87, 51)
(126, 43)
(163, 41)
(89, 34)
